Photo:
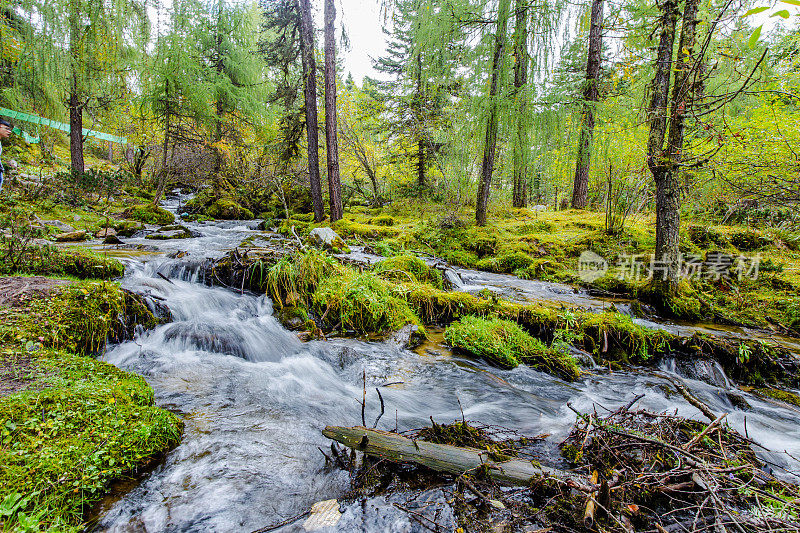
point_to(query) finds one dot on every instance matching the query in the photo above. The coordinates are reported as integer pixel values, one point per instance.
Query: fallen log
(445, 458)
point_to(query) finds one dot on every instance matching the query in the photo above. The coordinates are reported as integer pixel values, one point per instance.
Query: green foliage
(505, 343)
(363, 303)
(79, 318)
(382, 220)
(80, 424)
(294, 279)
(150, 214)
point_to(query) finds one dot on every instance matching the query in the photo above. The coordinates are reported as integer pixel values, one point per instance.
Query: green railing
(40, 121)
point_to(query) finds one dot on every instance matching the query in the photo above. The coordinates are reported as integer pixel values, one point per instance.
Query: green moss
(507, 262)
(382, 220)
(348, 228)
(614, 337)
(408, 268)
(80, 318)
(127, 228)
(504, 342)
(79, 424)
(293, 279)
(780, 395)
(150, 214)
(748, 241)
(363, 303)
(227, 209)
(53, 261)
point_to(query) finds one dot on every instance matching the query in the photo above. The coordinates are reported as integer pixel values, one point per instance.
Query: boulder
(71, 236)
(106, 232)
(171, 232)
(61, 226)
(112, 239)
(327, 239)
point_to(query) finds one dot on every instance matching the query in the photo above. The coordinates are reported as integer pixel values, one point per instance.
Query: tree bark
(490, 142)
(75, 129)
(75, 94)
(164, 175)
(331, 138)
(310, 91)
(419, 103)
(521, 139)
(580, 188)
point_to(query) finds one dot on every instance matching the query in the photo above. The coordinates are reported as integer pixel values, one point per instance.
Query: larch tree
(331, 129)
(492, 117)
(310, 92)
(580, 187)
(521, 145)
(77, 51)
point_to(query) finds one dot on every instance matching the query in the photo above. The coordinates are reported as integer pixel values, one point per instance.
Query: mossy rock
(507, 262)
(227, 209)
(778, 394)
(408, 268)
(505, 343)
(363, 303)
(54, 261)
(705, 237)
(128, 228)
(350, 228)
(150, 214)
(382, 220)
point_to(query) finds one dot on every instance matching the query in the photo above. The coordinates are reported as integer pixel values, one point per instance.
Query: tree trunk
(580, 188)
(420, 102)
(164, 175)
(310, 91)
(75, 94)
(521, 139)
(490, 142)
(75, 129)
(668, 189)
(331, 133)
(442, 457)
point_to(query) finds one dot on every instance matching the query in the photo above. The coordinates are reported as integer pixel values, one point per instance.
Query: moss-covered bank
(69, 424)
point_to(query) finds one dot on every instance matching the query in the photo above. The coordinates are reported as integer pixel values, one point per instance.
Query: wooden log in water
(445, 458)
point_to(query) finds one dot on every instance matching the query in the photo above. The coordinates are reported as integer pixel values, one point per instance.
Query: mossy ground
(77, 425)
(546, 245)
(70, 424)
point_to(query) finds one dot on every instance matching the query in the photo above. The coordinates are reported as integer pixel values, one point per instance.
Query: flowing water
(254, 398)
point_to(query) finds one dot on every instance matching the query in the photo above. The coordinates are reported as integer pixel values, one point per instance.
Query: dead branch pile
(661, 472)
(643, 472)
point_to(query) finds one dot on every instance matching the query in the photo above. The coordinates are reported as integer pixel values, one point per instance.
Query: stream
(254, 398)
